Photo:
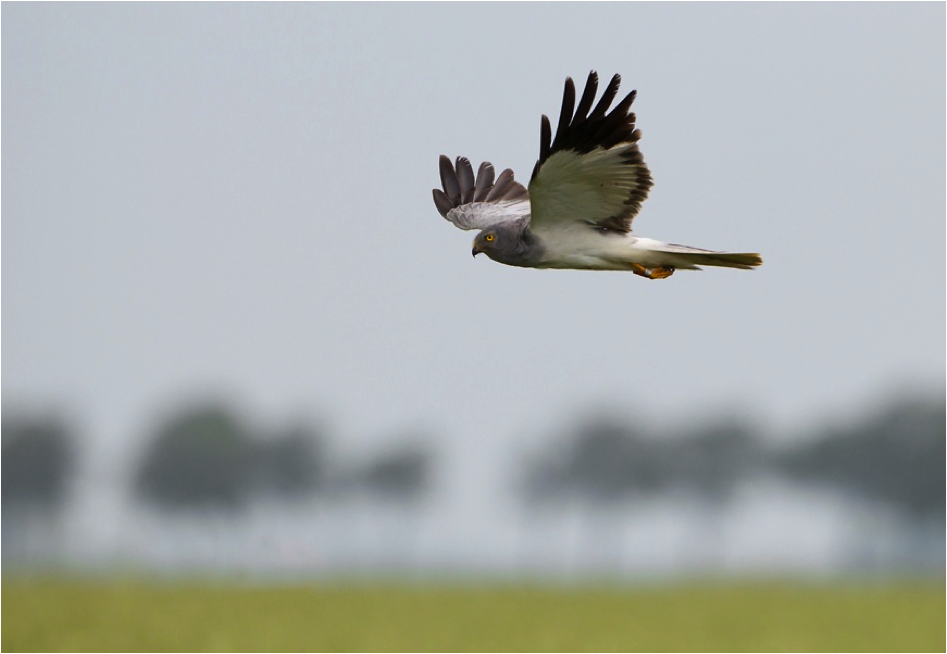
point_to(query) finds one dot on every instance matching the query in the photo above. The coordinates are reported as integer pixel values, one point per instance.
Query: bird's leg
(660, 272)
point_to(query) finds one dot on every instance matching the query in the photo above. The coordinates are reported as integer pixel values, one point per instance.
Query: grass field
(120, 616)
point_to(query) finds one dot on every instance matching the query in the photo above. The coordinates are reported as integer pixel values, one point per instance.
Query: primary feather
(475, 203)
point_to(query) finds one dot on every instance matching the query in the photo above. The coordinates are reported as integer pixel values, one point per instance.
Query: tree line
(207, 457)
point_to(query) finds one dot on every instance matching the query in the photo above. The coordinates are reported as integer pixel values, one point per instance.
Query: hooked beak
(476, 250)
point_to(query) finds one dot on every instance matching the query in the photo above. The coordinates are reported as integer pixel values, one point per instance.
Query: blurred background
(241, 341)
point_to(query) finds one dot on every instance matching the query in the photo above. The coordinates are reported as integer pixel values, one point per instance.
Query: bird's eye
(489, 238)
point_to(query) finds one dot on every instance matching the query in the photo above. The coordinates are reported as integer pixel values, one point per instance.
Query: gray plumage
(511, 243)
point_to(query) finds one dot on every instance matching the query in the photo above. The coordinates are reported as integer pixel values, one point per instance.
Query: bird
(585, 190)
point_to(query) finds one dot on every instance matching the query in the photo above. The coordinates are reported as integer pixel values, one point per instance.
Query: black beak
(475, 250)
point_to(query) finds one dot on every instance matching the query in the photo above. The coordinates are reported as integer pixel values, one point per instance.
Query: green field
(119, 616)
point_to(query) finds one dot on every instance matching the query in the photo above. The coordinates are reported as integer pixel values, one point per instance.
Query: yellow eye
(489, 238)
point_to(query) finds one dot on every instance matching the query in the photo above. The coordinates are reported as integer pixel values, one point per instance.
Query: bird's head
(503, 242)
(486, 241)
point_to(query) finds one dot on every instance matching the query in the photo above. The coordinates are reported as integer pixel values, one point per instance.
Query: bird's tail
(745, 260)
(684, 256)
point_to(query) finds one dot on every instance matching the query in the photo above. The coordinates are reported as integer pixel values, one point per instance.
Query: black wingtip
(581, 130)
(588, 97)
(566, 111)
(545, 137)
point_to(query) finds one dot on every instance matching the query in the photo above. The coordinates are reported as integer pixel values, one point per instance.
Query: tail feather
(744, 260)
(683, 256)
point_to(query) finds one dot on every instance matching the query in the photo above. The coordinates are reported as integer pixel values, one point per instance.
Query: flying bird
(585, 191)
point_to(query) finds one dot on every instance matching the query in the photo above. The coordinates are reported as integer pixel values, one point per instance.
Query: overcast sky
(234, 200)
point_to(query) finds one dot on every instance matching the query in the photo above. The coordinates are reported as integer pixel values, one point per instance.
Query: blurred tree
(292, 465)
(605, 461)
(202, 457)
(895, 457)
(714, 457)
(38, 459)
(401, 475)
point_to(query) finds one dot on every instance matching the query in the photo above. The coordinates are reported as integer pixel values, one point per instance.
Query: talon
(661, 272)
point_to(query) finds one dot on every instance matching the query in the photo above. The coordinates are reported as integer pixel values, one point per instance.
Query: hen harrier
(586, 189)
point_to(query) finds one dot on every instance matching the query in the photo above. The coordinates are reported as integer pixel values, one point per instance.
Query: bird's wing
(592, 171)
(476, 203)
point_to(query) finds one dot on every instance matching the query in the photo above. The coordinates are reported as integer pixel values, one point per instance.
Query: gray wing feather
(465, 176)
(507, 189)
(449, 182)
(484, 181)
(442, 202)
(476, 202)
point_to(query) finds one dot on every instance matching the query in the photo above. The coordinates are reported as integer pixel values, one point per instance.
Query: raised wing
(477, 203)
(593, 171)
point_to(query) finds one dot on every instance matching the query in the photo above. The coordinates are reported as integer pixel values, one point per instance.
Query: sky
(233, 201)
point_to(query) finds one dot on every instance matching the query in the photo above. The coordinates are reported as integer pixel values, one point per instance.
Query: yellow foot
(660, 272)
